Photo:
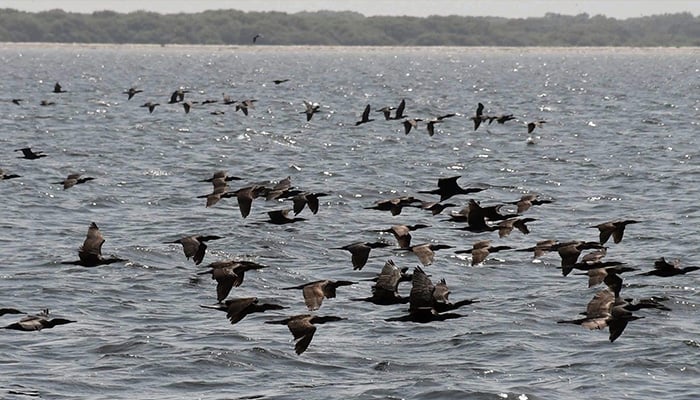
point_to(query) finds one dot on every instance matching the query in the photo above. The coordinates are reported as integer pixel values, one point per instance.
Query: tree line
(232, 27)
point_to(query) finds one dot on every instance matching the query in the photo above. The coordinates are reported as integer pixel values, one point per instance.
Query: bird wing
(425, 254)
(238, 308)
(313, 295)
(303, 331)
(422, 290)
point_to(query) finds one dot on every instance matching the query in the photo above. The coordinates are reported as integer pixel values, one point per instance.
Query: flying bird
(31, 155)
(72, 180)
(37, 322)
(229, 274)
(194, 246)
(90, 253)
(237, 309)
(315, 292)
(303, 328)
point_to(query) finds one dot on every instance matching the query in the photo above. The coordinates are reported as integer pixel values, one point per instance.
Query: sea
(618, 141)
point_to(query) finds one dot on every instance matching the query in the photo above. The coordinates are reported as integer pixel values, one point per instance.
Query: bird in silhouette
(402, 233)
(505, 227)
(256, 37)
(399, 111)
(227, 100)
(541, 247)
(480, 250)
(426, 251)
(305, 199)
(4, 176)
(431, 123)
(386, 290)
(132, 91)
(31, 155)
(532, 125)
(394, 205)
(245, 196)
(194, 246)
(606, 310)
(237, 309)
(278, 81)
(281, 217)
(221, 175)
(609, 275)
(528, 200)
(90, 253)
(616, 229)
(303, 329)
(72, 180)
(360, 252)
(570, 252)
(177, 96)
(151, 106)
(315, 292)
(448, 187)
(435, 207)
(58, 89)
(229, 274)
(37, 322)
(311, 109)
(665, 269)
(187, 105)
(246, 105)
(478, 116)
(17, 101)
(410, 123)
(365, 116)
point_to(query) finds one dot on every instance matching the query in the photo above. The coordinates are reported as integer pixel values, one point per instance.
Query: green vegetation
(231, 27)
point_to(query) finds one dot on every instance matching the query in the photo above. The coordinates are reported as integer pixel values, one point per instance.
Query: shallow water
(620, 142)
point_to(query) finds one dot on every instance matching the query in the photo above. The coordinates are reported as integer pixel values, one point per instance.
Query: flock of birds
(427, 301)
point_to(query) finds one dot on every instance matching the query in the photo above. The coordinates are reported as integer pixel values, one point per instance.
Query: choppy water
(620, 142)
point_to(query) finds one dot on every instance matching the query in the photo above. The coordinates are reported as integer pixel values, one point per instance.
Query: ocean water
(620, 142)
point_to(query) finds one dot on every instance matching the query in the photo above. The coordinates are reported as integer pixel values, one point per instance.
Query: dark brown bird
(360, 252)
(194, 246)
(278, 81)
(532, 125)
(37, 322)
(386, 290)
(31, 155)
(237, 309)
(435, 207)
(665, 269)
(506, 227)
(402, 233)
(311, 109)
(187, 105)
(72, 180)
(17, 101)
(529, 200)
(570, 251)
(448, 187)
(229, 273)
(616, 229)
(307, 199)
(431, 123)
(365, 117)
(90, 253)
(541, 247)
(394, 205)
(246, 105)
(479, 116)
(281, 217)
(58, 89)
(426, 251)
(151, 106)
(608, 275)
(315, 292)
(4, 311)
(221, 175)
(410, 123)
(303, 329)
(481, 249)
(4, 176)
(477, 216)
(177, 96)
(131, 92)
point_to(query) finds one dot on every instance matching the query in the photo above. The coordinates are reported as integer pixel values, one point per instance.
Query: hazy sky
(420, 8)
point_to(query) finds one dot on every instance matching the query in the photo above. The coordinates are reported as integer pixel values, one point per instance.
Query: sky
(619, 9)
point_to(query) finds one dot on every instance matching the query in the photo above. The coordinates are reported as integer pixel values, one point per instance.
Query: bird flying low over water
(194, 246)
(665, 269)
(311, 109)
(37, 322)
(309, 199)
(177, 96)
(132, 91)
(402, 233)
(245, 105)
(279, 81)
(90, 253)
(528, 200)
(229, 274)
(616, 229)
(478, 116)
(394, 205)
(365, 116)
(532, 125)
(303, 329)
(151, 106)
(426, 251)
(29, 154)
(281, 217)
(360, 252)
(72, 180)
(410, 123)
(58, 89)
(221, 175)
(481, 249)
(448, 187)
(237, 309)
(385, 291)
(4, 176)
(315, 292)
(431, 123)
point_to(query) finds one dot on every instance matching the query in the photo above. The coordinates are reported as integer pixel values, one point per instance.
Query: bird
(616, 229)
(606, 310)
(187, 105)
(304, 199)
(278, 81)
(505, 227)
(6, 310)
(245, 196)
(528, 200)
(481, 249)
(608, 275)
(399, 111)
(17, 101)
(221, 175)
(315, 292)
(281, 217)
(360, 252)
(45, 103)
(4, 176)
(245, 105)
(237, 309)
(394, 205)
(219, 191)
(426, 251)
(151, 106)
(402, 233)
(532, 125)
(58, 89)
(478, 117)
(431, 123)
(229, 274)
(435, 207)
(194, 246)
(385, 291)
(38, 322)
(476, 217)
(448, 187)
(72, 180)
(177, 96)
(256, 37)
(365, 116)
(410, 123)
(131, 92)
(665, 269)
(90, 253)
(31, 155)
(311, 109)
(303, 329)
(570, 251)
(541, 247)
